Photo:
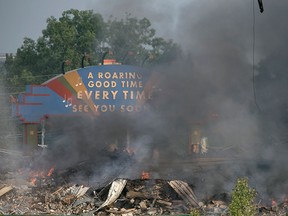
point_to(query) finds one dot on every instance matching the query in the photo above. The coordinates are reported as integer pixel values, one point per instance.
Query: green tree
(21, 66)
(70, 37)
(134, 42)
(77, 33)
(242, 199)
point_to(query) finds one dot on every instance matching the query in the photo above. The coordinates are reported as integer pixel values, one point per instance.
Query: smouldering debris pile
(119, 197)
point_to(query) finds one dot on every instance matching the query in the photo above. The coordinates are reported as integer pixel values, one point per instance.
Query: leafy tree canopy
(84, 34)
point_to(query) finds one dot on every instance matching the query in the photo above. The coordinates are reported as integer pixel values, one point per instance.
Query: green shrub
(242, 203)
(195, 212)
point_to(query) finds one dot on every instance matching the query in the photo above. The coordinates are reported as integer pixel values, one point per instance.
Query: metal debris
(124, 197)
(78, 190)
(116, 189)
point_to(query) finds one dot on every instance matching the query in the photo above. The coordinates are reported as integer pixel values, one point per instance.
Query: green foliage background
(85, 33)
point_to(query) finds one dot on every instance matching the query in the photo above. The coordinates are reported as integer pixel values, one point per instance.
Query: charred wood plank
(143, 205)
(5, 190)
(121, 211)
(163, 202)
(141, 195)
(184, 191)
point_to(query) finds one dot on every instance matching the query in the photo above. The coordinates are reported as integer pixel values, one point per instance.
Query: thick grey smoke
(213, 78)
(211, 85)
(216, 76)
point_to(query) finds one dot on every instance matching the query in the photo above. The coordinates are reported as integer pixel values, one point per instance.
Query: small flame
(50, 172)
(274, 203)
(145, 175)
(33, 181)
(34, 175)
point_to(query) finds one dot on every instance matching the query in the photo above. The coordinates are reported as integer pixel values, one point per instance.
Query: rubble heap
(119, 197)
(47, 191)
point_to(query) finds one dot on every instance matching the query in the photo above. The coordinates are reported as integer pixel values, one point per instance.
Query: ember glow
(50, 172)
(273, 202)
(145, 175)
(34, 175)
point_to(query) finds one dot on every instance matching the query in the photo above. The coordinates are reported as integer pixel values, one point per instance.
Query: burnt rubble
(121, 196)
(48, 190)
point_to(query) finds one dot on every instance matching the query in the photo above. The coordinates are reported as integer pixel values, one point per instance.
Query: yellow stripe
(75, 81)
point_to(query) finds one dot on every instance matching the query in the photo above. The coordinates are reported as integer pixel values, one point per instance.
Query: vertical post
(42, 134)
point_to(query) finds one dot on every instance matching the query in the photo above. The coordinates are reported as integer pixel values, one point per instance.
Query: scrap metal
(115, 190)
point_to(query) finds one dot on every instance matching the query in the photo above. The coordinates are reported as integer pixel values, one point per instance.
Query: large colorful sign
(96, 89)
